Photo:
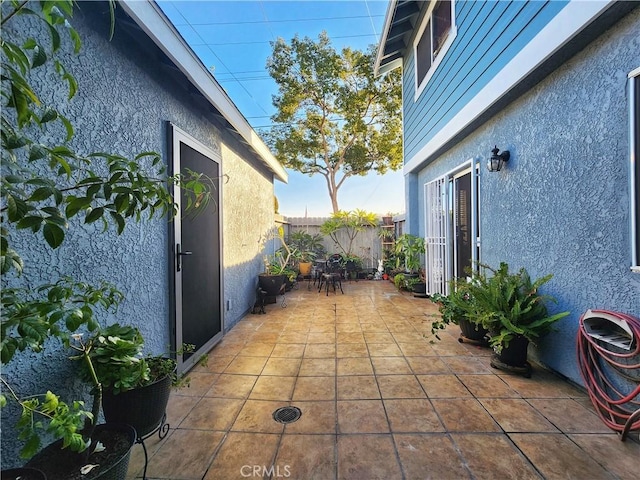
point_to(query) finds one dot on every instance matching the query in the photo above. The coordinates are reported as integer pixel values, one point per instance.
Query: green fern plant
(507, 304)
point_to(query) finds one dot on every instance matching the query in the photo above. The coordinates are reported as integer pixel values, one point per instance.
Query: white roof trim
(563, 27)
(148, 15)
(391, 10)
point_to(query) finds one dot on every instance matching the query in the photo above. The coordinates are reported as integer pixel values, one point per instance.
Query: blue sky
(232, 40)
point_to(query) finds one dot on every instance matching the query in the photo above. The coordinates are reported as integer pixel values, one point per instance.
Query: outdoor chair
(332, 275)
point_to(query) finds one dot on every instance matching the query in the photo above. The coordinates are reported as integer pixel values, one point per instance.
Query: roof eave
(158, 27)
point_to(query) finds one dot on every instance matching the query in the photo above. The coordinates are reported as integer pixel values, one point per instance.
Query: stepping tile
(257, 416)
(360, 387)
(354, 366)
(344, 350)
(328, 337)
(320, 350)
(400, 386)
(464, 415)
(378, 337)
(199, 384)
(178, 408)
(317, 417)
(412, 415)
(384, 350)
(427, 365)
(185, 455)
(416, 349)
(443, 386)
(273, 388)
(317, 367)
(390, 366)
(315, 388)
(246, 365)
(430, 456)
(240, 454)
(516, 415)
(362, 416)
(367, 457)
(288, 350)
(569, 415)
(619, 458)
(232, 386)
(488, 386)
(257, 349)
(466, 364)
(213, 414)
(543, 450)
(309, 457)
(493, 456)
(281, 366)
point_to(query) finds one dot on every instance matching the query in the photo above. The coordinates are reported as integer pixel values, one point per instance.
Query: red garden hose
(620, 411)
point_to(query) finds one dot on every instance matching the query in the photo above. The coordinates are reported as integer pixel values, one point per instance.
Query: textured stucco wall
(561, 205)
(248, 215)
(123, 102)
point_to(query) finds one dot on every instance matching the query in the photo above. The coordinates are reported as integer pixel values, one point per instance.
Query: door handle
(179, 254)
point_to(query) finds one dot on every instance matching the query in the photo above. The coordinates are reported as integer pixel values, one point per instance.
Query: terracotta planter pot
(305, 268)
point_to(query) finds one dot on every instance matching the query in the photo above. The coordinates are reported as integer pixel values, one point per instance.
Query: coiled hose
(618, 410)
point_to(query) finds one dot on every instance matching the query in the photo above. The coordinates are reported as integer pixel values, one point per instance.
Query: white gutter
(570, 21)
(150, 18)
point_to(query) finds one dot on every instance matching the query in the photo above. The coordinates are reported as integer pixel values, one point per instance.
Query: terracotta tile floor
(378, 401)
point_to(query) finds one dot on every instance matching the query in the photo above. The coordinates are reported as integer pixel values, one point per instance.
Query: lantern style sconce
(497, 160)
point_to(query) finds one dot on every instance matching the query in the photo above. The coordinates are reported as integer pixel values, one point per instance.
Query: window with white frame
(634, 156)
(434, 38)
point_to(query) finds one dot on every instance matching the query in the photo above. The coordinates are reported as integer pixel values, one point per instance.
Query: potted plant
(400, 281)
(306, 248)
(97, 450)
(277, 266)
(135, 388)
(513, 311)
(352, 264)
(452, 313)
(408, 250)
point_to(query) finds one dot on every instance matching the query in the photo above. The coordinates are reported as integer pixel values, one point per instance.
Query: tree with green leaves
(350, 224)
(335, 117)
(46, 188)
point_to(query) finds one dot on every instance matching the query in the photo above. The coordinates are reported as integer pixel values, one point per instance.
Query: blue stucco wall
(123, 102)
(489, 35)
(561, 205)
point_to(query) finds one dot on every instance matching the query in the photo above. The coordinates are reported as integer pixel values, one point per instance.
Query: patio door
(196, 256)
(451, 226)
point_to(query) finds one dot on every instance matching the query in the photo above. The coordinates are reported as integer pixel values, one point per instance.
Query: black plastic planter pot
(143, 408)
(63, 464)
(515, 354)
(23, 473)
(472, 332)
(272, 284)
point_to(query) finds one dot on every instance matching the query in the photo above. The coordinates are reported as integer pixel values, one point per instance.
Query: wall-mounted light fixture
(497, 159)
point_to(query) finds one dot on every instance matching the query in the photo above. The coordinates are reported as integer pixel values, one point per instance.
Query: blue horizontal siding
(490, 34)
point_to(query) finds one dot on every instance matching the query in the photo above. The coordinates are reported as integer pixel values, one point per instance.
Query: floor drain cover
(287, 414)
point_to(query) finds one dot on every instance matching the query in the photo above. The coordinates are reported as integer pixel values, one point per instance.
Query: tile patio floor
(378, 401)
